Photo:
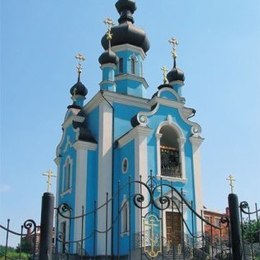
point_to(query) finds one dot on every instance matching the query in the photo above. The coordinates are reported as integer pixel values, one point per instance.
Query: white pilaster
(81, 185)
(104, 174)
(141, 168)
(196, 142)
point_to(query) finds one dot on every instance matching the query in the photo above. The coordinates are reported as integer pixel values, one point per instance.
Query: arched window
(170, 153)
(125, 217)
(67, 175)
(133, 63)
(120, 65)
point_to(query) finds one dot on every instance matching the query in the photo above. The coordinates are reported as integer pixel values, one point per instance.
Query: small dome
(126, 32)
(79, 89)
(108, 57)
(125, 8)
(175, 75)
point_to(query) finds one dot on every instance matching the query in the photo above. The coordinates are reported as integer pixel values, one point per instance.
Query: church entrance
(173, 228)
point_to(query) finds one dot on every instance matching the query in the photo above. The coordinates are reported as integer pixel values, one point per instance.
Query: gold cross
(231, 180)
(164, 70)
(109, 23)
(49, 175)
(80, 59)
(174, 44)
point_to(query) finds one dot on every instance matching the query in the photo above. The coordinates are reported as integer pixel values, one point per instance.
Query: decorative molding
(129, 47)
(131, 135)
(117, 98)
(181, 141)
(81, 145)
(108, 65)
(172, 91)
(132, 77)
(172, 179)
(142, 117)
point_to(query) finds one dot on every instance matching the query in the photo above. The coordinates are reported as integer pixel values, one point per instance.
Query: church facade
(120, 140)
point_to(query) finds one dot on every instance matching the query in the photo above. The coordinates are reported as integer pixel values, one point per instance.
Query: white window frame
(66, 188)
(181, 141)
(125, 217)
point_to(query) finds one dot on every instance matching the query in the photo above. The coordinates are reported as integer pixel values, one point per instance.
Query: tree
(251, 231)
(25, 246)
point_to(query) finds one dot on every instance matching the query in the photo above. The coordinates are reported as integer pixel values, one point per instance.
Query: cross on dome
(49, 174)
(164, 70)
(109, 23)
(231, 180)
(80, 59)
(173, 41)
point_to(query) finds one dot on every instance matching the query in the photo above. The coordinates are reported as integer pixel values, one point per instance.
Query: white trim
(196, 142)
(127, 47)
(85, 145)
(141, 167)
(66, 190)
(124, 204)
(172, 91)
(181, 141)
(131, 77)
(81, 184)
(108, 65)
(117, 98)
(104, 172)
(132, 134)
(184, 112)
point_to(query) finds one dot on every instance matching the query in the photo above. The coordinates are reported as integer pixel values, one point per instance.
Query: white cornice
(131, 135)
(172, 179)
(196, 141)
(185, 112)
(117, 98)
(81, 145)
(107, 82)
(108, 65)
(132, 77)
(125, 47)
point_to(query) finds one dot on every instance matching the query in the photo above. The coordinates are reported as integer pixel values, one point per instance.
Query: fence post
(235, 226)
(46, 226)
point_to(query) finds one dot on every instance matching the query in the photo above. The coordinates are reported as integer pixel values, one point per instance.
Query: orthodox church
(120, 144)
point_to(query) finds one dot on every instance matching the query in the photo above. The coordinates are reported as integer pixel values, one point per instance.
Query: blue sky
(219, 51)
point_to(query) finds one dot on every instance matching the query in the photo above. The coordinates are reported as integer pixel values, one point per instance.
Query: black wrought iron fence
(153, 241)
(250, 228)
(28, 238)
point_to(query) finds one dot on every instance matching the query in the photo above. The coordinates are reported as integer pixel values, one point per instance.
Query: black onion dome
(79, 89)
(126, 32)
(108, 57)
(175, 75)
(125, 8)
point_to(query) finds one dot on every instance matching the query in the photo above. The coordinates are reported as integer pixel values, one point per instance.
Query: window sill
(68, 191)
(172, 179)
(124, 234)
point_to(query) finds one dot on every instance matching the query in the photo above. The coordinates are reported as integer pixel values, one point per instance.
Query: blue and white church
(118, 145)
